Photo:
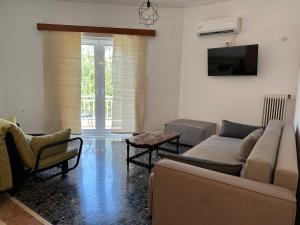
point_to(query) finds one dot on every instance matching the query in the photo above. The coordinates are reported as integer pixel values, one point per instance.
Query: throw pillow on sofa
(247, 144)
(231, 169)
(236, 130)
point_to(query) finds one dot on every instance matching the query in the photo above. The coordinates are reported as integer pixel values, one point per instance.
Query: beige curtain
(128, 78)
(62, 76)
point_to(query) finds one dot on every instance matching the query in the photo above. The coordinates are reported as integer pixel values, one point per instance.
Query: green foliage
(108, 71)
(88, 72)
(88, 85)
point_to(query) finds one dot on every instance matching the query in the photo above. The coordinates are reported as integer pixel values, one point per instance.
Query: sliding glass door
(96, 85)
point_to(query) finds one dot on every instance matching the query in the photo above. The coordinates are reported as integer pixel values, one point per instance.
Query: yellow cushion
(5, 170)
(12, 119)
(24, 149)
(58, 158)
(23, 146)
(28, 138)
(37, 142)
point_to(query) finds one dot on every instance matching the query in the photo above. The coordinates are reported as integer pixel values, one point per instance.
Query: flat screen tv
(233, 61)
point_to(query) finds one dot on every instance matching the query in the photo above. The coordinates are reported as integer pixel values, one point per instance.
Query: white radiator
(274, 108)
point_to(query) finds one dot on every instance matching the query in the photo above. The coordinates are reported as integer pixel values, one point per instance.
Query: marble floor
(98, 191)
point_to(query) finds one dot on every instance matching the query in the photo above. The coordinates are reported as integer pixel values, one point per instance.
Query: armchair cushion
(37, 142)
(60, 157)
(20, 138)
(6, 181)
(12, 119)
(24, 149)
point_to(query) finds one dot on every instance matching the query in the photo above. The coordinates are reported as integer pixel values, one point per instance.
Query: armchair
(25, 162)
(57, 160)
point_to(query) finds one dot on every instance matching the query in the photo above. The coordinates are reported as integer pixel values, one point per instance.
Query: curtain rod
(91, 29)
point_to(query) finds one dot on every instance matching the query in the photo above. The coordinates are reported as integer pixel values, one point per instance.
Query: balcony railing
(88, 115)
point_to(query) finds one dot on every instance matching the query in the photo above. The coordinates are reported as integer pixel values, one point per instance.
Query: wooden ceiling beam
(91, 29)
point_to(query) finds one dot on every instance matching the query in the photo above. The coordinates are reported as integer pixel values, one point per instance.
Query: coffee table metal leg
(128, 146)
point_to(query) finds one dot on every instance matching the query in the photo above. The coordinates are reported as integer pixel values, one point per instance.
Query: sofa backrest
(261, 161)
(286, 170)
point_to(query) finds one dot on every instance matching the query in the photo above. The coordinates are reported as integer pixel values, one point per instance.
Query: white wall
(201, 97)
(21, 54)
(1, 96)
(297, 108)
(240, 98)
(1, 90)
(1, 75)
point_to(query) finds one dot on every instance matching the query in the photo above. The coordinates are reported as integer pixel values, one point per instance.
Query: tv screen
(233, 61)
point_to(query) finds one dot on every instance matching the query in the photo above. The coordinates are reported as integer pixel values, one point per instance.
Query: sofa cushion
(216, 148)
(286, 170)
(247, 144)
(231, 169)
(236, 130)
(261, 161)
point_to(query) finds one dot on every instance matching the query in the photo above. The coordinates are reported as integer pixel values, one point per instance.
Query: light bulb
(148, 14)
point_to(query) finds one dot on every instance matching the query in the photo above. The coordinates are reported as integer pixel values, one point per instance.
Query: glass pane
(108, 86)
(87, 87)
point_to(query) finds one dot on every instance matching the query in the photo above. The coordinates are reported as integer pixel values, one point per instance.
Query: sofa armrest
(189, 195)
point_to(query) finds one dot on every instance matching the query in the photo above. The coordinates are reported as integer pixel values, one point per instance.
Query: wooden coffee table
(151, 141)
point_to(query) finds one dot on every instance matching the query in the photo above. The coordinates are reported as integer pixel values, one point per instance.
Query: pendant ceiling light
(148, 13)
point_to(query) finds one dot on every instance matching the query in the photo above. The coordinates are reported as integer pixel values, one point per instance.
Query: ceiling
(167, 3)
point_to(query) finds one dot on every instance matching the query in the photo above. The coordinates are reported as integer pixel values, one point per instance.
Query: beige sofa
(265, 194)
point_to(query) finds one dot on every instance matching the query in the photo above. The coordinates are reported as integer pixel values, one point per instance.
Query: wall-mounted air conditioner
(227, 25)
